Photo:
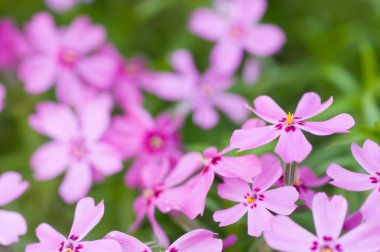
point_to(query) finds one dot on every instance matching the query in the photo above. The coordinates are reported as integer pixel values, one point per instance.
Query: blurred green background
(332, 48)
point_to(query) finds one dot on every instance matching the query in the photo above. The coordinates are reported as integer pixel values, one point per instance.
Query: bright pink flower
(196, 240)
(13, 224)
(369, 158)
(13, 45)
(235, 28)
(198, 93)
(66, 57)
(287, 236)
(214, 162)
(257, 200)
(87, 216)
(155, 143)
(162, 191)
(77, 146)
(292, 145)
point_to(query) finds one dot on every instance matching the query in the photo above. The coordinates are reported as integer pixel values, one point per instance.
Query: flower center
(253, 198)
(207, 90)
(67, 57)
(289, 123)
(78, 150)
(289, 119)
(236, 32)
(326, 245)
(71, 245)
(155, 142)
(375, 179)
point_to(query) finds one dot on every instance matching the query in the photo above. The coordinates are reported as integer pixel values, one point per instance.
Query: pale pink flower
(77, 146)
(154, 143)
(64, 5)
(328, 214)
(12, 223)
(292, 145)
(13, 45)
(66, 57)
(214, 162)
(257, 200)
(369, 158)
(87, 216)
(200, 93)
(194, 241)
(234, 27)
(251, 71)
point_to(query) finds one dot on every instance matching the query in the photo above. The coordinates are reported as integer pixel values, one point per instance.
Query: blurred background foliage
(332, 48)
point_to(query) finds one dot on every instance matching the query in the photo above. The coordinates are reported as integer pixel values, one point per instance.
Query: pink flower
(161, 190)
(257, 200)
(328, 214)
(292, 145)
(13, 224)
(214, 162)
(63, 5)
(201, 94)
(155, 143)
(77, 146)
(368, 157)
(251, 71)
(66, 57)
(13, 45)
(235, 28)
(305, 180)
(3, 94)
(87, 216)
(195, 240)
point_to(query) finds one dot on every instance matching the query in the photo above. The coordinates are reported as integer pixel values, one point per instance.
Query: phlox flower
(251, 71)
(66, 57)
(154, 143)
(87, 216)
(199, 93)
(64, 5)
(234, 26)
(76, 147)
(195, 240)
(292, 145)
(12, 224)
(328, 214)
(3, 94)
(216, 163)
(13, 45)
(257, 200)
(164, 190)
(369, 158)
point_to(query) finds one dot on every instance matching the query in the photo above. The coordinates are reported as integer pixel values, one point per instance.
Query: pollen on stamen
(289, 119)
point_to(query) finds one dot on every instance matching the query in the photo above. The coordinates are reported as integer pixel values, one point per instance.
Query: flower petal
(183, 62)
(206, 24)
(11, 187)
(310, 105)
(293, 146)
(368, 156)
(105, 159)
(364, 236)
(233, 189)
(370, 208)
(265, 40)
(197, 240)
(157, 229)
(230, 215)
(281, 200)
(246, 139)
(267, 109)
(253, 10)
(223, 51)
(270, 173)
(127, 242)
(233, 106)
(12, 225)
(101, 245)
(251, 71)
(338, 124)
(205, 116)
(258, 220)
(253, 123)
(309, 179)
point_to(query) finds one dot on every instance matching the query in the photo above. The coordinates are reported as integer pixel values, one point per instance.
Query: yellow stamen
(289, 119)
(148, 193)
(251, 200)
(68, 250)
(156, 142)
(326, 250)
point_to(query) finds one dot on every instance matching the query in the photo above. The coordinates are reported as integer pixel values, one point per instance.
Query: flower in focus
(235, 28)
(328, 214)
(66, 57)
(201, 94)
(87, 216)
(13, 45)
(12, 224)
(77, 146)
(292, 145)
(257, 200)
(214, 162)
(195, 240)
(369, 158)
(155, 143)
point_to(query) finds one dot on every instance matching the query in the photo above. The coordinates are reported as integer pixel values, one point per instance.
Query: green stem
(289, 174)
(6, 249)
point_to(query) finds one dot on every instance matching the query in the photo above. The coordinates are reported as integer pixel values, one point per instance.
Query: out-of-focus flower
(201, 94)
(77, 146)
(13, 224)
(128, 78)
(64, 5)
(3, 94)
(196, 240)
(161, 190)
(235, 29)
(66, 57)
(155, 143)
(292, 145)
(13, 45)
(229, 241)
(214, 162)
(87, 216)
(257, 200)
(329, 214)
(251, 71)
(369, 158)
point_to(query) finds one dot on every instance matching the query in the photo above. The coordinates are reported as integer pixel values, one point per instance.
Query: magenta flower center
(155, 142)
(327, 245)
(173, 250)
(78, 150)
(67, 57)
(71, 245)
(375, 179)
(236, 32)
(251, 199)
(289, 123)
